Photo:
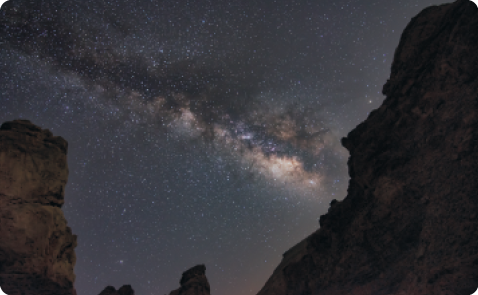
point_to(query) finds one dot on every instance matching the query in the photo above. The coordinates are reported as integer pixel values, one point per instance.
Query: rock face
(193, 282)
(409, 223)
(124, 290)
(36, 245)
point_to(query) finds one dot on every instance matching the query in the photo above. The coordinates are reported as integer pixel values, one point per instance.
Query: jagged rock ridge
(408, 224)
(37, 247)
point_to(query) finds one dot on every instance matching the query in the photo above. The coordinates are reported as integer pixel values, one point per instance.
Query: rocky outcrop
(36, 247)
(193, 282)
(409, 223)
(124, 290)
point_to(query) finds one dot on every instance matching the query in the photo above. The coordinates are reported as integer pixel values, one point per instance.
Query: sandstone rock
(193, 282)
(408, 224)
(36, 246)
(124, 290)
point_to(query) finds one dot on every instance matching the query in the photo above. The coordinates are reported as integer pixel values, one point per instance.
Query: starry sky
(199, 131)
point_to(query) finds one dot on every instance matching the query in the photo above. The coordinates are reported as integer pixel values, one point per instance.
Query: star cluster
(199, 131)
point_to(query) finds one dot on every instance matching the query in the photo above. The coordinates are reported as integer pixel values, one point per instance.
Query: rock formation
(36, 247)
(124, 290)
(409, 223)
(193, 282)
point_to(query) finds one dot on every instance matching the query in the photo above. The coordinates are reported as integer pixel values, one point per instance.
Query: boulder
(193, 282)
(124, 290)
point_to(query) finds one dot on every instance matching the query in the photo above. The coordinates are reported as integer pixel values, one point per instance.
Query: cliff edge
(37, 254)
(409, 223)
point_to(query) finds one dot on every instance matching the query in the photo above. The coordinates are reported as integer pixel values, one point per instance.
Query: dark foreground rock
(193, 282)
(409, 223)
(37, 254)
(124, 290)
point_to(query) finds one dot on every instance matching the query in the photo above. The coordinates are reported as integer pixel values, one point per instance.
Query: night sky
(199, 131)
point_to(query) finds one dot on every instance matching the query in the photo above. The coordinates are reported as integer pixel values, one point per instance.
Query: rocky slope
(36, 246)
(193, 282)
(409, 223)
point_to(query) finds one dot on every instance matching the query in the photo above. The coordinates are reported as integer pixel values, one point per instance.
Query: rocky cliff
(193, 282)
(409, 223)
(36, 247)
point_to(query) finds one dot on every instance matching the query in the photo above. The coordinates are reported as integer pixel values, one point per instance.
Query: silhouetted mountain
(408, 224)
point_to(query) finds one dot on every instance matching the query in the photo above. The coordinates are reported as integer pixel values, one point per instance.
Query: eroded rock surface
(37, 254)
(193, 282)
(409, 223)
